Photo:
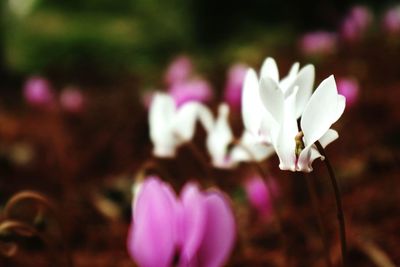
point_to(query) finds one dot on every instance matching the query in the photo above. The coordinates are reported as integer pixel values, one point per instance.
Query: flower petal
(289, 79)
(250, 149)
(305, 82)
(219, 235)
(161, 115)
(194, 221)
(186, 118)
(272, 98)
(219, 138)
(152, 229)
(270, 69)
(252, 108)
(320, 112)
(284, 139)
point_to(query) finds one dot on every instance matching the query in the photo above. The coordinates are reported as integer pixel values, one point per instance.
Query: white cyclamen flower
(171, 127)
(282, 104)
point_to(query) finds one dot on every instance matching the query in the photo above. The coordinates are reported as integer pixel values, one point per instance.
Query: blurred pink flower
(195, 229)
(38, 92)
(258, 195)
(233, 87)
(179, 70)
(191, 90)
(348, 88)
(72, 100)
(318, 43)
(391, 20)
(356, 23)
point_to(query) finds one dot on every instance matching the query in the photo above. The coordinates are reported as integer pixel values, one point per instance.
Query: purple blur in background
(37, 92)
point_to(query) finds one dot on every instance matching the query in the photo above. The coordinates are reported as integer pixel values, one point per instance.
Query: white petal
(186, 118)
(220, 137)
(270, 69)
(341, 104)
(320, 111)
(252, 108)
(161, 115)
(272, 98)
(284, 140)
(249, 149)
(289, 79)
(310, 153)
(305, 82)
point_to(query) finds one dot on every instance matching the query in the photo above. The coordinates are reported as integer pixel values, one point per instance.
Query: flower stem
(317, 212)
(338, 199)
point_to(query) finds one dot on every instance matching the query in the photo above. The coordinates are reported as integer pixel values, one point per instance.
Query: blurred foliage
(111, 37)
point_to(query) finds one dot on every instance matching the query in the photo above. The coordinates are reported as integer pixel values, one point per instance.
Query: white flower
(171, 127)
(220, 138)
(271, 108)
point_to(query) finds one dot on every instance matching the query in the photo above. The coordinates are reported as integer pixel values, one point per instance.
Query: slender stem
(317, 213)
(267, 178)
(338, 199)
(200, 158)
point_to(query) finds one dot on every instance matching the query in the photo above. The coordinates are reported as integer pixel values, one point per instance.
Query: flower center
(299, 143)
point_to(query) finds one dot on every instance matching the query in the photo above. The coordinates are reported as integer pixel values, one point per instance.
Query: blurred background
(76, 78)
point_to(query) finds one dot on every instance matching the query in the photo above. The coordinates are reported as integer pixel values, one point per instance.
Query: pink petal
(258, 195)
(219, 235)
(234, 84)
(38, 92)
(191, 90)
(179, 70)
(194, 221)
(151, 240)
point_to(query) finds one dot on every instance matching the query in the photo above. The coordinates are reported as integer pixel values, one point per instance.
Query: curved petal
(310, 153)
(249, 149)
(289, 79)
(219, 138)
(252, 109)
(186, 118)
(161, 115)
(320, 111)
(152, 229)
(305, 82)
(194, 221)
(284, 140)
(341, 104)
(270, 69)
(272, 98)
(219, 235)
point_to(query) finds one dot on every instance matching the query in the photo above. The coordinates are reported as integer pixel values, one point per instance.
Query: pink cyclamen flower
(318, 43)
(259, 196)
(38, 92)
(356, 23)
(391, 20)
(179, 70)
(349, 89)
(195, 229)
(192, 90)
(72, 100)
(233, 87)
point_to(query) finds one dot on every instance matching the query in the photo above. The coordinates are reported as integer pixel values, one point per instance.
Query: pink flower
(391, 20)
(318, 43)
(192, 90)
(233, 87)
(179, 70)
(350, 89)
(356, 23)
(258, 195)
(38, 92)
(195, 229)
(72, 100)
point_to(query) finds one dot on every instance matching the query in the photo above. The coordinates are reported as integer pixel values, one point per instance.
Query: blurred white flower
(171, 127)
(227, 154)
